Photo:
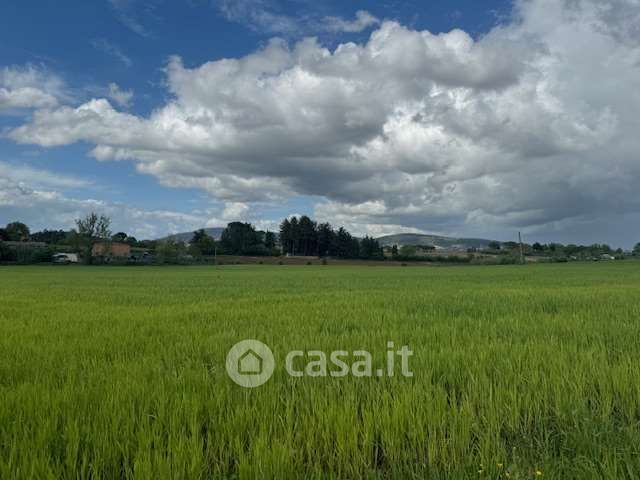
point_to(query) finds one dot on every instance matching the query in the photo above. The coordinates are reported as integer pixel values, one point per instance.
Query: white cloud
(34, 197)
(264, 16)
(126, 13)
(362, 21)
(524, 127)
(22, 175)
(29, 87)
(259, 15)
(235, 211)
(111, 49)
(121, 97)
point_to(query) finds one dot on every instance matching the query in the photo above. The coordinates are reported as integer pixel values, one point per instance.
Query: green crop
(519, 372)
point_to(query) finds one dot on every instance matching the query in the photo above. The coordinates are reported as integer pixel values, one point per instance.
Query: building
(111, 249)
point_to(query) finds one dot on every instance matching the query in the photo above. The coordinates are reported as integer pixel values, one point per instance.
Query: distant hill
(449, 243)
(214, 232)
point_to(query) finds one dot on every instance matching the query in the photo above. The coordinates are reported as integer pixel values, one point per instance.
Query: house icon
(250, 363)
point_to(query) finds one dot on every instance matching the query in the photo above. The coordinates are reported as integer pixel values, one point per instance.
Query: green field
(520, 372)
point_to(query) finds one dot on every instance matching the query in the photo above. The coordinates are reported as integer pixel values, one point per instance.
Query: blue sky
(145, 57)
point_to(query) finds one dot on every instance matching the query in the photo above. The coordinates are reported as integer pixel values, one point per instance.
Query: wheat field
(519, 372)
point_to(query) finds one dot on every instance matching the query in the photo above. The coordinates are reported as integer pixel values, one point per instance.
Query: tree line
(297, 236)
(303, 236)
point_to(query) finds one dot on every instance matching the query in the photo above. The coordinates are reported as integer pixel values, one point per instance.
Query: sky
(457, 117)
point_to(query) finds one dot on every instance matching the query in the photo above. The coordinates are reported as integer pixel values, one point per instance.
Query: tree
(241, 239)
(537, 247)
(119, 237)
(52, 237)
(308, 236)
(408, 251)
(203, 243)
(394, 251)
(170, 251)
(326, 240)
(74, 241)
(636, 249)
(370, 249)
(270, 240)
(295, 236)
(346, 245)
(285, 236)
(4, 236)
(17, 232)
(494, 245)
(92, 229)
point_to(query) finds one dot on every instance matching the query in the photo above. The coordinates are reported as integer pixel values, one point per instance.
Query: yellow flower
(538, 473)
(499, 465)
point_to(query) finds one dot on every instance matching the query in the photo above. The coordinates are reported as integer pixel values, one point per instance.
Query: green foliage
(242, 239)
(305, 237)
(170, 252)
(52, 237)
(119, 237)
(494, 245)
(370, 249)
(202, 243)
(16, 232)
(408, 251)
(7, 254)
(90, 229)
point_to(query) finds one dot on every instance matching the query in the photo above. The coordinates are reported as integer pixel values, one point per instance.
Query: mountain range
(449, 243)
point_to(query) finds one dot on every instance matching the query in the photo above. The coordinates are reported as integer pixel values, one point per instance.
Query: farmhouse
(111, 249)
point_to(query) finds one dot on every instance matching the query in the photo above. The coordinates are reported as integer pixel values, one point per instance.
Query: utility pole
(521, 248)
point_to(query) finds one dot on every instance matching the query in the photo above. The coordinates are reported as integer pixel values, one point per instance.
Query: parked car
(65, 258)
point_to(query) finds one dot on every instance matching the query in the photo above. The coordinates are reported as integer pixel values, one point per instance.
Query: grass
(520, 372)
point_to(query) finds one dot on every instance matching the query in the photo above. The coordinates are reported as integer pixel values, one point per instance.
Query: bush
(7, 254)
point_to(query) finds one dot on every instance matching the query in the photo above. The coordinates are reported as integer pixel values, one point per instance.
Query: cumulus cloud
(524, 127)
(29, 87)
